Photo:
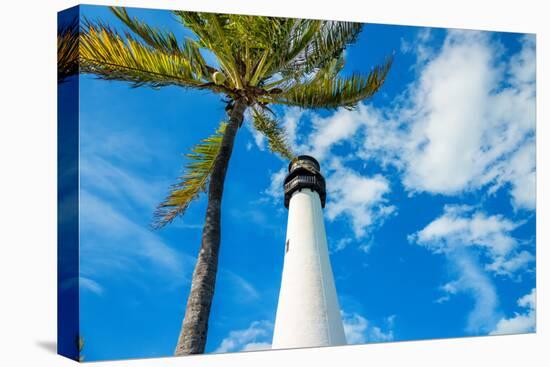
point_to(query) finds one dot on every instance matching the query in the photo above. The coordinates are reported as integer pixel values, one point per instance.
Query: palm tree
(80, 347)
(259, 61)
(67, 51)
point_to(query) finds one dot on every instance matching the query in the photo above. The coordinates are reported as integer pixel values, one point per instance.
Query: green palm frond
(67, 51)
(275, 134)
(256, 51)
(80, 346)
(162, 41)
(167, 42)
(241, 43)
(213, 33)
(330, 43)
(253, 56)
(327, 41)
(272, 42)
(110, 56)
(303, 31)
(289, 40)
(330, 91)
(193, 181)
(250, 48)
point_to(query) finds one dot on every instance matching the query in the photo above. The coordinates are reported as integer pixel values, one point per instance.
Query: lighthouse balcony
(297, 183)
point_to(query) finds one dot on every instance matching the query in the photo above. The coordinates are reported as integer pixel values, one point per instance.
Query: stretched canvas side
(68, 340)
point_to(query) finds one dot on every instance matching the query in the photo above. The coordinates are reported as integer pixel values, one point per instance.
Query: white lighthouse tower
(308, 313)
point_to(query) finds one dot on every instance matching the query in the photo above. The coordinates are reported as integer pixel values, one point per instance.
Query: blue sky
(430, 209)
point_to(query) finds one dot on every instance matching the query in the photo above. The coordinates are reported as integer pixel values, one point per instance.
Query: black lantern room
(304, 172)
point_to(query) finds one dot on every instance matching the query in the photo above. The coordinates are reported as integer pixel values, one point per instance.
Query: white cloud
(511, 265)
(455, 234)
(98, 173)
(116, 205)
(355, 327)
(341, 244)
(275, 189)
(449, 289)
(259, 138)
(112, 243)
(363, 245)
(474, 281)
(521, 322)
(443, 299)
(245, 290)
(360, 198)
(332, 130)
(359, 330)
(366, 246)
(250, 347)
(252, 338)
(419, 46)
(290, 122)
(462, 226)
(120, 145)
(467, 122)
(109, 162)
(520, 173)
(90, 285)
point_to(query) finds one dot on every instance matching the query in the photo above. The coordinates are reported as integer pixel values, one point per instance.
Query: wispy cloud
(116, 204)
(128, 145)
(112, 243)
(99, 174)
(114, 165)
(290, 123)
(466, 122)
(275, 189)
(341, 244)
(259, 138)
(256, 337)
(524, 322)
(360, 198)
(455, 234)
(245, 289)
(255, 215)
(90, 285)
(475, 282)
(463, 226)
(359, 330)
(333, 130)
(448, 289)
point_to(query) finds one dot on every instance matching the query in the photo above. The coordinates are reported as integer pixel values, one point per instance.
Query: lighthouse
(308, 313)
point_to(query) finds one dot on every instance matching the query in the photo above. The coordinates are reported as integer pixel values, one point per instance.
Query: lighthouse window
(287, 244)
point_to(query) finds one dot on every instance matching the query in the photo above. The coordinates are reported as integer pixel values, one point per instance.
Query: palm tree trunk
(192, 339)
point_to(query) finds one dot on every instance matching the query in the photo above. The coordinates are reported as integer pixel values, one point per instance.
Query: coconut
(218, 78)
